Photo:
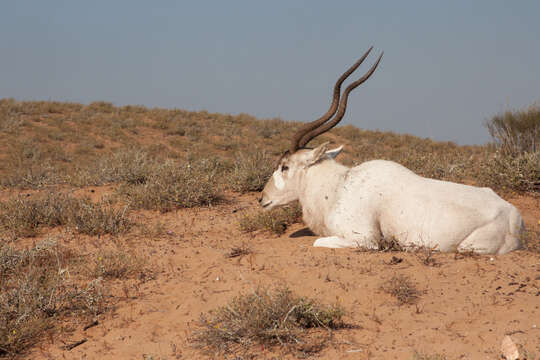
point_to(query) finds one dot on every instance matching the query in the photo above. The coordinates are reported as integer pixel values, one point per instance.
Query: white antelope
(378, 199)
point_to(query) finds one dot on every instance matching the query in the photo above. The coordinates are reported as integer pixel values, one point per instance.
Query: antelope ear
(318, 153)
(334, 152)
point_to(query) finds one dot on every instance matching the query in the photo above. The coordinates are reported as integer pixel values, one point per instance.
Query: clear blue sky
(448, 65)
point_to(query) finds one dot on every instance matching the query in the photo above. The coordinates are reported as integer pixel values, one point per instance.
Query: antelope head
(283, 186)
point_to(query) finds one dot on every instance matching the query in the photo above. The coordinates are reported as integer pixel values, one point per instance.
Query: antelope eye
(284, 168)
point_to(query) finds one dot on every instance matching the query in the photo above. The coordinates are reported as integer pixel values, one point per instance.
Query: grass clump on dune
(267, 317)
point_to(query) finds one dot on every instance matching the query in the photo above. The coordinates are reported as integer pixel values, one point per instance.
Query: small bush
(516, 132)
(177, 185)
(268, 317)
(276, 220)
(402, 288)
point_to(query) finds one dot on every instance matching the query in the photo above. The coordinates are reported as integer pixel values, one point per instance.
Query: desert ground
(195, 256)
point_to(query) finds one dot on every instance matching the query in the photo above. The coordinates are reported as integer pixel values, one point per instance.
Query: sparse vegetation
(23, 216)
(268, 317)
(163, 160)
(108, 147)
(176, 185)
(520, 172)
(36, 290)
(426, 255)
(99, 218)
(128, 165)
(516, 165)
(276, 220)
(251, 171)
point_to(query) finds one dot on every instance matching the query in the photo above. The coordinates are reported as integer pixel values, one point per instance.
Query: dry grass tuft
(128, 165)
(268, 317)
(23, 216)
(99, 218)
(402, 288)
(237, 251)
(250, 172)
(118, 264)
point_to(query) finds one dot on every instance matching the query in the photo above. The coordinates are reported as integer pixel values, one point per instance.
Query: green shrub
(516, 132)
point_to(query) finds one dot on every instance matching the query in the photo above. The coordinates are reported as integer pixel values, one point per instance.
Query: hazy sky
(447, 67)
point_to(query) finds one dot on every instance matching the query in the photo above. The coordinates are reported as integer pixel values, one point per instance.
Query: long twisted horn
(342, 107)
(313, 129)
(297, 138)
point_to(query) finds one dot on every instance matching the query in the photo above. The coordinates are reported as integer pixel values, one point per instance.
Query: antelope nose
(260, 200)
